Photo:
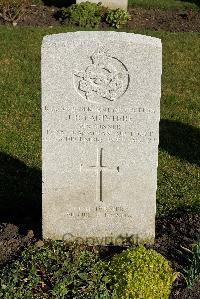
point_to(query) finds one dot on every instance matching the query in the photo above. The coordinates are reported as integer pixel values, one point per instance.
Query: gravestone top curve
(106, 35)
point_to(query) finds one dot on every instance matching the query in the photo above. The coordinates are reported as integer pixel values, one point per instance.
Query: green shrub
(85, 14)
(117, 17)
(13, 10)
(55, 271)
(88, 14)
(140, 273)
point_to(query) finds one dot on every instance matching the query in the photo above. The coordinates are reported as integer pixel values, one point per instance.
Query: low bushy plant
(13, 10)
(117, 17)
(84, 14)
(140, 273)
(55, 270)
(88, 14)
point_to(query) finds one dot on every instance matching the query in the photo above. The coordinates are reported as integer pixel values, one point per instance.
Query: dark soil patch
(193, 293)
(12, 243)
(40, 16)
(173, 21)
(171, 234)
(153, 19)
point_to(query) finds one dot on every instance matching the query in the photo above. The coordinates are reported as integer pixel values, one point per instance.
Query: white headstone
(113, 4)
(100, 125)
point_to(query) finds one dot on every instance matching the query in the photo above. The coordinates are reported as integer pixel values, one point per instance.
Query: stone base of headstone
(123, 4)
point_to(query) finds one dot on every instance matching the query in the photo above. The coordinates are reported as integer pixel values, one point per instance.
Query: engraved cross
(99, 168)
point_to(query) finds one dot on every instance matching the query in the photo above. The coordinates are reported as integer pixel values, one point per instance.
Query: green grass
(20, 126)
(166, 4)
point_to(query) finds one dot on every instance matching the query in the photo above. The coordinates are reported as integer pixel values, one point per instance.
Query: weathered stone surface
(100, 125)
(110, 3)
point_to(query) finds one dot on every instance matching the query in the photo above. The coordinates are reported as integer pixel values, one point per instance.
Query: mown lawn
(166, 4)
(20, 126)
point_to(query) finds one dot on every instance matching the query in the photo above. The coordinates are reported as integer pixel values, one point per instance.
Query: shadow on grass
(59, 3)
(196, 2)
(180, 140)
(20, 194)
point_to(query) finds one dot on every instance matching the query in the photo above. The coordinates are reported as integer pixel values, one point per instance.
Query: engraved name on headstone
(100, 131)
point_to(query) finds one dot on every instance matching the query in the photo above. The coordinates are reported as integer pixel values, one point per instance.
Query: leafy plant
(85, 14)
(140, 273)
(57, 269)
(88, 14)
(192, 273)
(117, 17)
(13, 10)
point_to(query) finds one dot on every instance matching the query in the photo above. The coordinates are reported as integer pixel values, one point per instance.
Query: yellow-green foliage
(140, 273)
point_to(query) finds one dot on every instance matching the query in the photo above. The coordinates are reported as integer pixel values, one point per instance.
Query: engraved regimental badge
(105, 79)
